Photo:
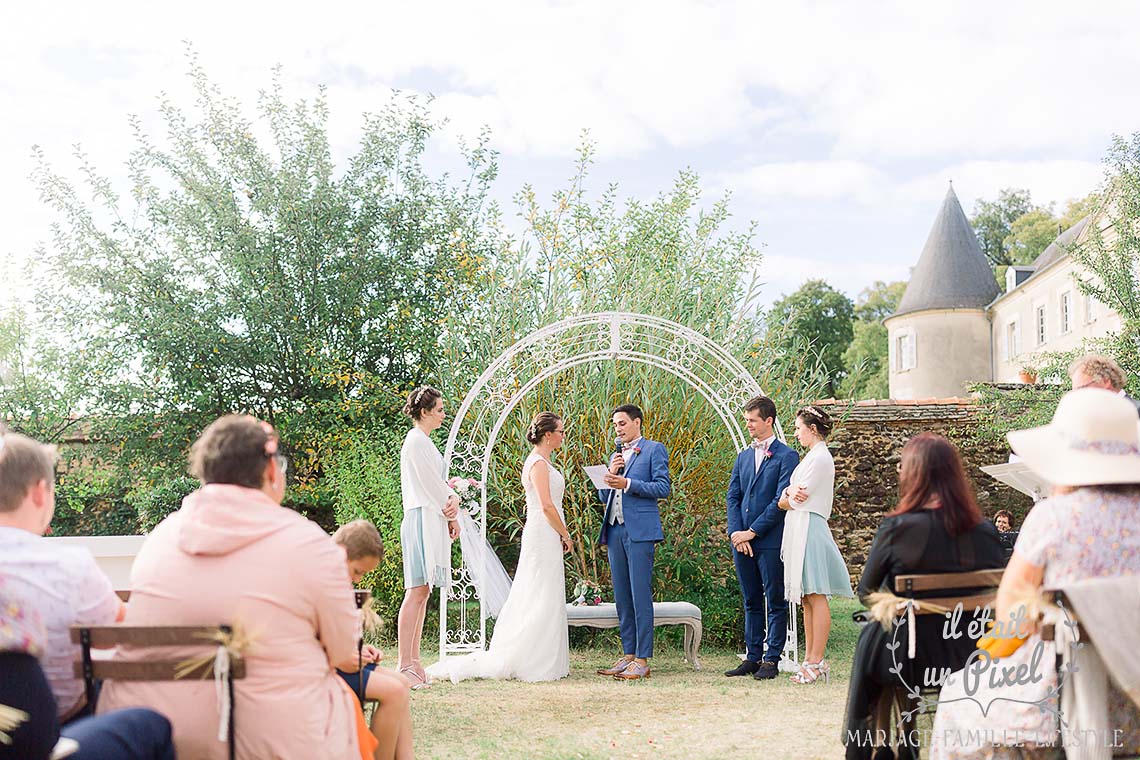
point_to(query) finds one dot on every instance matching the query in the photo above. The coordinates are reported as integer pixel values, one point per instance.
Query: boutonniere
(768, 454)
(636, 449)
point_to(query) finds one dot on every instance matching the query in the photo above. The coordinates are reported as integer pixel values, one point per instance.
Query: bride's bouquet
(587, 592)
(468, 491)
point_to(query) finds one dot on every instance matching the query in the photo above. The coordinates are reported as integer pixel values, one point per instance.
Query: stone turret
(940, 334)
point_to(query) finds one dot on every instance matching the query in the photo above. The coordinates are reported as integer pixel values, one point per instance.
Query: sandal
(415, 680)
(810, 672)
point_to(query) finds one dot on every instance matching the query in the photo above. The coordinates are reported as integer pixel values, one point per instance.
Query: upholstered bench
(664, 613)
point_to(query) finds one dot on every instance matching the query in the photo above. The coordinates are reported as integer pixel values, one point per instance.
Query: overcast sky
(835, 125)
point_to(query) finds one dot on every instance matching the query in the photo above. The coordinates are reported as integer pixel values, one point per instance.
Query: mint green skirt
(412, 545)
(824, 569)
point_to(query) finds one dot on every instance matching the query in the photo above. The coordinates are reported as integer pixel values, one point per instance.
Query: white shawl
(423, 487)
(817, 474)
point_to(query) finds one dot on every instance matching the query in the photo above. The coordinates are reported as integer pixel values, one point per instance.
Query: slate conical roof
(952, 272)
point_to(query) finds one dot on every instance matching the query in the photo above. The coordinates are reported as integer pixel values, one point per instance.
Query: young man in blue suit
(756, 529)
(631, 528)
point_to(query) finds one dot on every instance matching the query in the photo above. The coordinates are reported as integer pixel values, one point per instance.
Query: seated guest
(28, 714)
(233, 555)
(29, 568)
(936, 528)
(1003, 521)
(29, 725)
(392, 719)
(62, 583)
(1087, 528)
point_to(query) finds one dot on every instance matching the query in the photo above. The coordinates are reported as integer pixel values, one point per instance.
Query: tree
(879, 300)
(867, 362)
(1111, 249)
(993, 220)
(822, 316)
(669, 256)
(40, 395)
(47, 390)
(1030, 234)
(246, 276)
(1013, 230)
(1078, 208)
(866, 358)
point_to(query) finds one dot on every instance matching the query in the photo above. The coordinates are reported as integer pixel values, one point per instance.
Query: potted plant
(1028, 373)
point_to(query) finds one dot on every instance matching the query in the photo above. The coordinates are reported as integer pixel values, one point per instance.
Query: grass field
(678, 713)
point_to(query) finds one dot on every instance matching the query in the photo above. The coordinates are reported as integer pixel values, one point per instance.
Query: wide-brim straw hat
(1094, 439)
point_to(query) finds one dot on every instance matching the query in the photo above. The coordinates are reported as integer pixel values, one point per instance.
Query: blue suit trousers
(761, 579)
(631, 565)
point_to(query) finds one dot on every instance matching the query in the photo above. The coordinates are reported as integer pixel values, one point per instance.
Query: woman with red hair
(935, 528)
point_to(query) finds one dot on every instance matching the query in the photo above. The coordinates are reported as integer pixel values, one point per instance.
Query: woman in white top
(531, 642)
(813, 566)
(428, 527)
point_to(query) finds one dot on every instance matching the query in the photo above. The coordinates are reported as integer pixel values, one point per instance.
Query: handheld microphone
(617, 450)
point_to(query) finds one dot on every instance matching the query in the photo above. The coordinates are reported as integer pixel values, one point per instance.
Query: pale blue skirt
(824, 570)
(412, 545)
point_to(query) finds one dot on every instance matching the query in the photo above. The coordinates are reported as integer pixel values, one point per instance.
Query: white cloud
(1048, 181)
(791, 104)
(826, 180)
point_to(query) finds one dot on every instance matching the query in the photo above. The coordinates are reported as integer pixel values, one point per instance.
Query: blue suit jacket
(754, 495)
(648, 473)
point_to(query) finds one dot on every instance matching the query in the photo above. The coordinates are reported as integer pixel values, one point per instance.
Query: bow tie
(757, 444)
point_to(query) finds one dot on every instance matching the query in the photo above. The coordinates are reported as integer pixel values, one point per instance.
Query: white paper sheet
(597, 473)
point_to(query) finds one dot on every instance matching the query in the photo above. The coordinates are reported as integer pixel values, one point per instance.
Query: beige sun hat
(1094, 439)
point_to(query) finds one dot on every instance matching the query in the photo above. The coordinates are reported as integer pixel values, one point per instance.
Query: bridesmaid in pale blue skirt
(429, 526)
(813, 567)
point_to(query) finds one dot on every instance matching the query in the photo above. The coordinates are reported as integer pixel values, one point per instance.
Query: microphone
(617, 450)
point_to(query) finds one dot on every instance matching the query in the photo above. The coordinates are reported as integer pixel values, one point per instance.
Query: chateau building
(954, 326)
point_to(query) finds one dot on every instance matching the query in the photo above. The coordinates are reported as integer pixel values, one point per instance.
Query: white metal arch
(605, 336)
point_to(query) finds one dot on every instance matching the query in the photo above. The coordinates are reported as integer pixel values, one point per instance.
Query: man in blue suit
(631, 528)
(756, 529)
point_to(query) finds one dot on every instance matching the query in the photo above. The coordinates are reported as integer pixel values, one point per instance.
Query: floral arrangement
(587, 592)
(468, 491)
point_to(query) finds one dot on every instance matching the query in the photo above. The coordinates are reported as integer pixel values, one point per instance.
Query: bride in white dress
(530, 642)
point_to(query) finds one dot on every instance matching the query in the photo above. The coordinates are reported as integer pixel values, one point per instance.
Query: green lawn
(678, 713)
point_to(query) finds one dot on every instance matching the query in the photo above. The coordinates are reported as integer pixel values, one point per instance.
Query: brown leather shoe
(634, 672)
(618, 667)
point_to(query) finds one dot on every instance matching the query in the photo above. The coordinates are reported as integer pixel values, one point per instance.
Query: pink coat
(231, 555)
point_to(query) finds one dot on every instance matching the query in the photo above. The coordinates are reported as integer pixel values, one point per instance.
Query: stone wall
(867, 443)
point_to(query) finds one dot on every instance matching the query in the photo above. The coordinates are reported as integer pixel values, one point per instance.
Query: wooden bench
(982, 585)
(664, 613)
(91, 669)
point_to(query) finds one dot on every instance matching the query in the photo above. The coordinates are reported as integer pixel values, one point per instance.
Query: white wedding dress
(530, 642)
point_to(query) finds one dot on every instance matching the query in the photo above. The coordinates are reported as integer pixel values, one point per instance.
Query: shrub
(154, 503)
(364, 480)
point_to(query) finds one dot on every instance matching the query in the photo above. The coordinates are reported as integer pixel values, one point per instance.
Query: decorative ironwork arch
(604, 336)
